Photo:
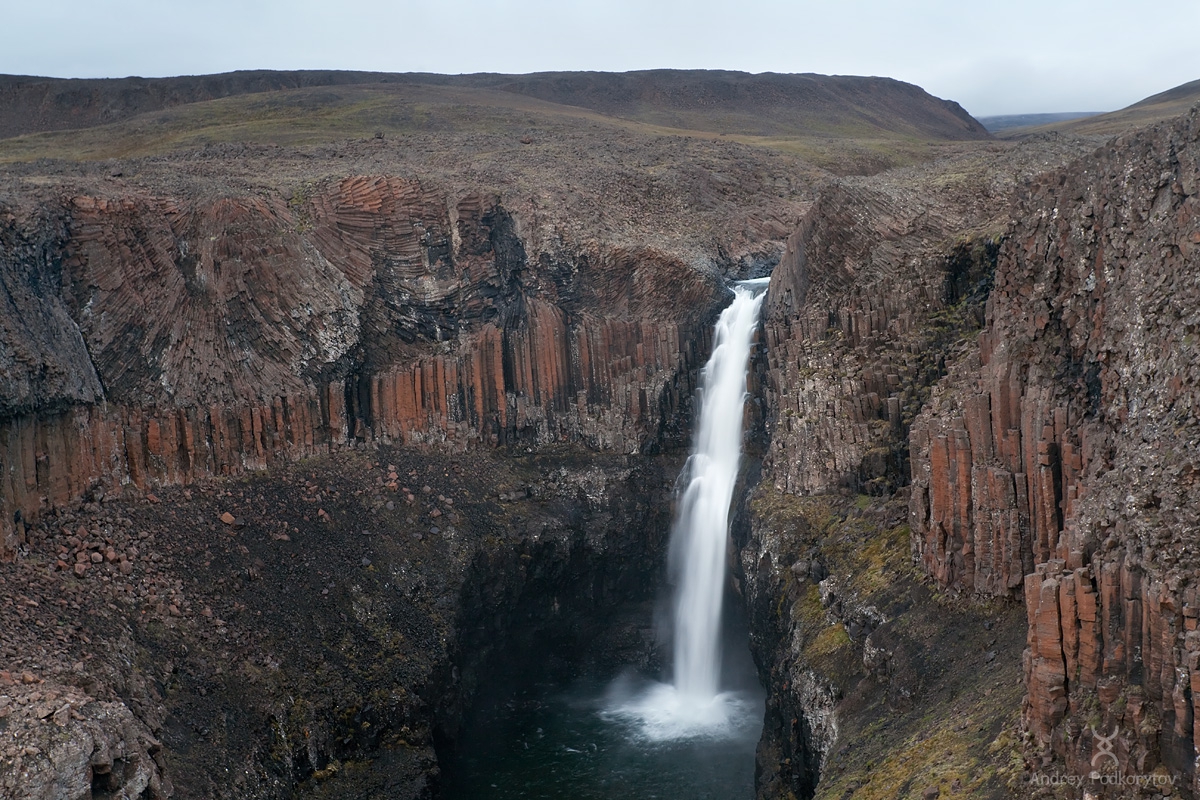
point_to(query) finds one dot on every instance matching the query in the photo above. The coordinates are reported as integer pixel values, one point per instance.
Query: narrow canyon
(294, 469)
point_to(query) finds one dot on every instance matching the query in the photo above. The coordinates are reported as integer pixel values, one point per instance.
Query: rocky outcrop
(850, 345)
(882, 289)
(44, 363)
(190, 338)
(68, 744)
(1006, 405)
(850, 352)
(1057, 463)
(327, 636)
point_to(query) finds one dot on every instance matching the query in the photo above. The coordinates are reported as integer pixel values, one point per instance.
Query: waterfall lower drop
(695, 737)
(693, 705)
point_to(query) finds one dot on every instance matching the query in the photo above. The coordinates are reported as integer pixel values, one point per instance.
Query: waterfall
(693, 704)
(701, 527)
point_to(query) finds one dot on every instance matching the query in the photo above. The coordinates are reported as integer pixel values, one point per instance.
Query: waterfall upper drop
(693, 704)
(698, 538)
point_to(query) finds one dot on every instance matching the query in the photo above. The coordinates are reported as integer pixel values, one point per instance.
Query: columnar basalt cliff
(300, 454)
(190, 338)
(846, 321)
(850, 351)
(158, 341)
(1059, 460)
(968, 549)
(882, 288)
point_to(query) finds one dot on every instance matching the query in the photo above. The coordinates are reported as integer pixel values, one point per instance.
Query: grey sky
(1016, 56)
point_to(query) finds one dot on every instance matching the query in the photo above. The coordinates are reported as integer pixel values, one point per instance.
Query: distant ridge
(30, 104)
(717, 101)
(760, 104)
(1188, 93)
(1004, 122)
(1155, 108)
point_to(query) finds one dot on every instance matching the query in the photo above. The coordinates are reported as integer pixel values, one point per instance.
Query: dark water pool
(552, 741)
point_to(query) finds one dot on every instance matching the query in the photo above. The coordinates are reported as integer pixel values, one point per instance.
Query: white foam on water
(660, 713)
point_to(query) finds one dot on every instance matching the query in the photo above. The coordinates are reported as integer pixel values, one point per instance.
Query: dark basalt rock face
(875, 294)
(1055, 466)
(318, 628)
(325, 638)
(45, 363)
(181, 339)
(1021, 395)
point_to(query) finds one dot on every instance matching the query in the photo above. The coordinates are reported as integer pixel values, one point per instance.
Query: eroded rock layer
(1058, 461)
(873, 317)
(184, 338)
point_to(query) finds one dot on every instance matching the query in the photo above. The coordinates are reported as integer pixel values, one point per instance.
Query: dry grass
(334, 114)
(957, 728)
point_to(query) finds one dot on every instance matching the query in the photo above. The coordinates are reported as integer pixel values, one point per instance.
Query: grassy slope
(944, 713)
(296, 117)
(759, 105)
(842, 130)
(709, 100)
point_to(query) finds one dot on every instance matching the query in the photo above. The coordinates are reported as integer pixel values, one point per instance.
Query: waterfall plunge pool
(577, 739)
(633, 737)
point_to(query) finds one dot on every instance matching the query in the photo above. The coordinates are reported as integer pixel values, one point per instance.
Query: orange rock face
(1062, 456)
(214, 337)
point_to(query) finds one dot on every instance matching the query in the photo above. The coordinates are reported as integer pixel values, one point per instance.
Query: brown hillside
(753, 104)
(719, 102)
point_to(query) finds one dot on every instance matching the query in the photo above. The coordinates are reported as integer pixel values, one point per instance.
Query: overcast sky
(1031, 56)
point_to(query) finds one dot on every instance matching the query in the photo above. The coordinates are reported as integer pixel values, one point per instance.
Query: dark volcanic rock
(44, 363)
(231, 334)
(882, 286)
(1059, 456)
(978, 436)
(206, 541)
(321, 660)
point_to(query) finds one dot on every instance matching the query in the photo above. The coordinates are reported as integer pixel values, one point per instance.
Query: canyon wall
(1057, 462)
(996, 374)
(850, 349)
(875, 294)
(153, 340)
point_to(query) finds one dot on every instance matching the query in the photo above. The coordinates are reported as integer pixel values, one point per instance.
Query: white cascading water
(693, 704)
